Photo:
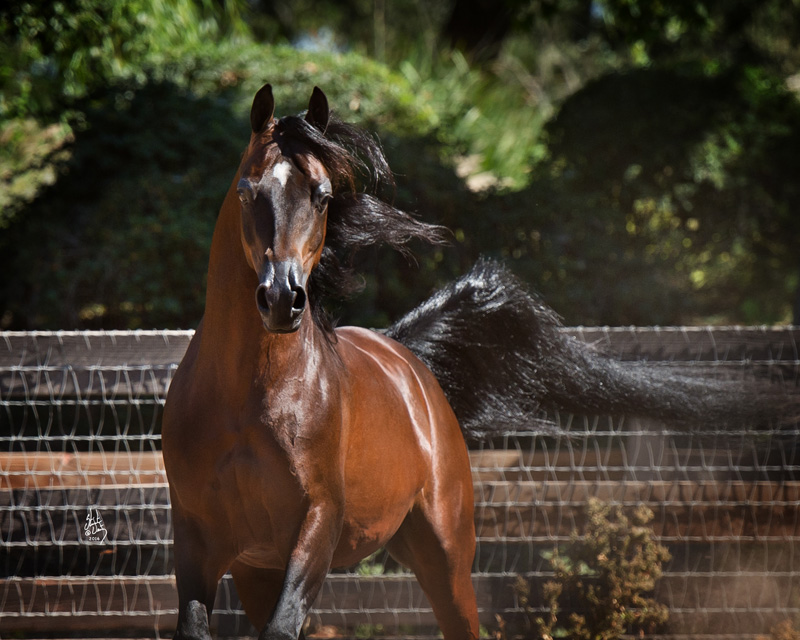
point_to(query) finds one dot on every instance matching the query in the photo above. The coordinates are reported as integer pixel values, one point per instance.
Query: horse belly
(262, 557)
(372, 518)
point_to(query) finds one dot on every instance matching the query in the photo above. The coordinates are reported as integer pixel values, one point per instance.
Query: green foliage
(30, 155)
(371, 566)
(601, 579)
(365, 631)
(108, 211)
(721, 31)
(699, 169)
(54, 52)
(633, 162)
(121, 236)
(489, 117)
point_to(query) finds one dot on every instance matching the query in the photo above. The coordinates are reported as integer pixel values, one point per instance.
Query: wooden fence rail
(729, 509)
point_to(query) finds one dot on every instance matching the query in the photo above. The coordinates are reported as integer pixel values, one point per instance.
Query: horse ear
(263, 109)
(318, 114)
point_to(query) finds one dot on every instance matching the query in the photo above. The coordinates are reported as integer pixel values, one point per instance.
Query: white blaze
(281, 172)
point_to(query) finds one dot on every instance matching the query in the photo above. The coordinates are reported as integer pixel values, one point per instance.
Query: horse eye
(245, 191)
(321, 198)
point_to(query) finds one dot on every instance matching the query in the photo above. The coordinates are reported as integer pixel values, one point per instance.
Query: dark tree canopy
(633, 160)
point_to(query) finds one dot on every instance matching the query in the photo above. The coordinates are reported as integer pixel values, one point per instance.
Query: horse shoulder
(195, 431)
(379, 347)
(386, 372)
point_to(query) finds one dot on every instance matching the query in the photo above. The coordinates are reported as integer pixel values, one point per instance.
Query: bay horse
(292, 447)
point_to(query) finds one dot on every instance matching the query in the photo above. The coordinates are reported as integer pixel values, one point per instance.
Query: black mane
(359, 214)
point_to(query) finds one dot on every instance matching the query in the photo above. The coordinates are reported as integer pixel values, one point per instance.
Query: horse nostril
(261, 298)
(299, 300)
(281, 297)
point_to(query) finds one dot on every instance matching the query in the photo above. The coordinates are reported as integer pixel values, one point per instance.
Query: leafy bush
(782, 631)
(689, 176)
(121, 236)
(109, 201)
(54, 52)
(660, 196)
(601, 579)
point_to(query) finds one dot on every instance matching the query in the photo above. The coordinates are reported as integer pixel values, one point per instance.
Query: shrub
(601, 579)
(107, 223)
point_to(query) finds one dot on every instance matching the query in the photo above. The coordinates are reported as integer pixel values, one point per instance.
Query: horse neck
(233, 335)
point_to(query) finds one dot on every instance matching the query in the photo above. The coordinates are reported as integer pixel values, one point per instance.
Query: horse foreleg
(308, 566)
(198, 569)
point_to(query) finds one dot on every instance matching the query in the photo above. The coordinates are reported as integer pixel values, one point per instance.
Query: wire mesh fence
(86, 537)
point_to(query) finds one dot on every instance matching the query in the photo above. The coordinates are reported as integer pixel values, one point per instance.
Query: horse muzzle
(281, 297)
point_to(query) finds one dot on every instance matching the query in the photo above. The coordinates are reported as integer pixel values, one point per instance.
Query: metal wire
(86, 534)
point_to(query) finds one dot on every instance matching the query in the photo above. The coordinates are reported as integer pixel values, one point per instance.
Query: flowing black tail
(502, 359)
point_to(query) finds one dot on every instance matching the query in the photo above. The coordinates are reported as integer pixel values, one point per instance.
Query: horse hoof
(193, 623)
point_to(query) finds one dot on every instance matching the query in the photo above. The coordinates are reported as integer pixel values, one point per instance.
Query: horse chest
(255, 472)
(228, 450)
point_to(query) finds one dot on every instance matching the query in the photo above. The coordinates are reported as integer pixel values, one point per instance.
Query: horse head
(284, 190)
